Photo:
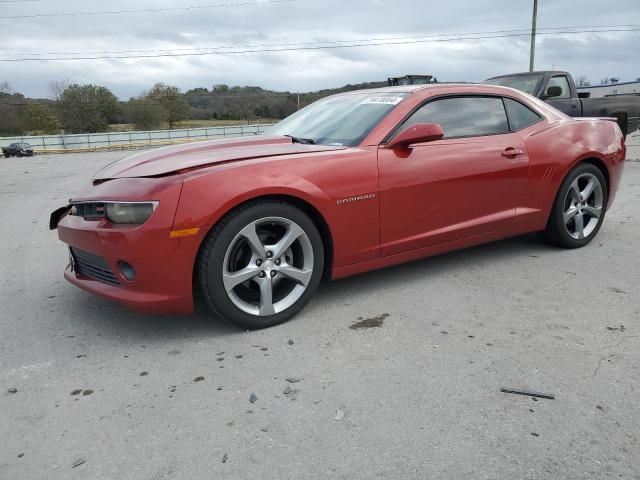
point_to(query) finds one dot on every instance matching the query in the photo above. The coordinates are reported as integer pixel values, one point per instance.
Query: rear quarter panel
(555, 148)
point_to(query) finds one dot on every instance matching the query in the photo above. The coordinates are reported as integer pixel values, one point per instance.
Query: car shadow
(420, 270)
(108, 319)
(112, 320)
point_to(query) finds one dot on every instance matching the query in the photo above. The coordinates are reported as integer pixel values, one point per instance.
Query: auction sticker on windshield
(382, 100)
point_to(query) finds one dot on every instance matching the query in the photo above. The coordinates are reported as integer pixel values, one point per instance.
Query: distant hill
(349, 88)
(247, 103)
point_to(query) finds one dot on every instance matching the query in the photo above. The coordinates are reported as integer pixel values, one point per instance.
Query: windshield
(525, 83)
(338, 120)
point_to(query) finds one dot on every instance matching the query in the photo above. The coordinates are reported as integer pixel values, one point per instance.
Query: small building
(622, 88)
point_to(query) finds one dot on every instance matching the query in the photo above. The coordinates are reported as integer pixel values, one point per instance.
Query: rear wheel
(579, 208)
(260, 265)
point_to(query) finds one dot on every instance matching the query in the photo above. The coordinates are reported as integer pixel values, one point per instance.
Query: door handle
(511, 152)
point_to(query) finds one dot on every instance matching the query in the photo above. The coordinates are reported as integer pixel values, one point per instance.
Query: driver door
(466, 184)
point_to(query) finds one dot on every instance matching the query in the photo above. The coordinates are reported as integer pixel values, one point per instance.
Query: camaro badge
(344, 201)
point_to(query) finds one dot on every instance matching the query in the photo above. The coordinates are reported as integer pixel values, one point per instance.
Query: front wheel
(579, 208)
(260, 265)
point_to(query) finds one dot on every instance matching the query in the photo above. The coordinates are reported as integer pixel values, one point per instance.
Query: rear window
(520, 116)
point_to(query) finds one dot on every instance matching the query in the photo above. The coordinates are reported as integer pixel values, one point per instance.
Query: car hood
(178, 158)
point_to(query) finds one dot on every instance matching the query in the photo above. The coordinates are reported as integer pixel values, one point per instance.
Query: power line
(315, 46)
(220, 47)
(145, 10)
(317, 42)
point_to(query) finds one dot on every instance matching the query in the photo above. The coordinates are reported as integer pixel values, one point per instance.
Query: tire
(242, 242)
(622, 121)
(6, 155)
(575, 220)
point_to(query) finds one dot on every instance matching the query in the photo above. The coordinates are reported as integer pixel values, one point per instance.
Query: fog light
(127, 271)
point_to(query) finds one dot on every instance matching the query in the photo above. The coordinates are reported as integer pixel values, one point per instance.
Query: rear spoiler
(582, 119)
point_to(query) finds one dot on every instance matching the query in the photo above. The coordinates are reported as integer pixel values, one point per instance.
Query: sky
(241, 25)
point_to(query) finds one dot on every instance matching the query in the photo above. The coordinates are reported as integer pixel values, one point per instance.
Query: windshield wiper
(304, 141)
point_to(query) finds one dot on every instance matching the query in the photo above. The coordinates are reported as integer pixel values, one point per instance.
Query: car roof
(437, 87)
(398, 89)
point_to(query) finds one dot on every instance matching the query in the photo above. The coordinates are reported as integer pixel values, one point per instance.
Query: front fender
(206, 200)
(320, 180)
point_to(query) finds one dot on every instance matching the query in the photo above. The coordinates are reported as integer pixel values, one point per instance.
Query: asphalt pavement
(394, 374)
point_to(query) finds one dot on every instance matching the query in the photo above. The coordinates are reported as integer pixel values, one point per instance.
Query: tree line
(88, 108)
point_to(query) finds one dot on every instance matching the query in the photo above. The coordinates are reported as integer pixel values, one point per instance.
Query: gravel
(413, 411)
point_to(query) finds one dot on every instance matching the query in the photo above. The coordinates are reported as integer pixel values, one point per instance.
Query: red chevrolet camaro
(353, 182)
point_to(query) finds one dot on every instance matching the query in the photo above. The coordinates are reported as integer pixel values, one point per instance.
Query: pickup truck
(558, 89)
(17, 150)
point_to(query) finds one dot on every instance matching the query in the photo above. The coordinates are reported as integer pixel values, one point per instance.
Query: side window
(463, 116)
(562, 82)
(520, 116)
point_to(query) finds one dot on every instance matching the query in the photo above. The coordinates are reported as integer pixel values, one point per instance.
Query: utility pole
(532, 54)
(298, 100)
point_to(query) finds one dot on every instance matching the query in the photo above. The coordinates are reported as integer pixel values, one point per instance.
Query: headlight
(130, 213)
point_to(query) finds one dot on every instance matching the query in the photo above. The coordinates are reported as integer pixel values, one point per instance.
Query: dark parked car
(558, 89)
(17, 150)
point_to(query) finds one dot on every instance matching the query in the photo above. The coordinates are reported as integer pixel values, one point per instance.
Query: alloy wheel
(268, 266)
(583, 206)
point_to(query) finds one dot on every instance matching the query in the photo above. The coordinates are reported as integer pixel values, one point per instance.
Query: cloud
(593, 55)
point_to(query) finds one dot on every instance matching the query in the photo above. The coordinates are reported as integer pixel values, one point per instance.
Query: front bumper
(145, 302)
(163, 266)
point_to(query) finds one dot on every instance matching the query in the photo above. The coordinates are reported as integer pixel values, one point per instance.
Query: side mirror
(553, 91)
(417, 133)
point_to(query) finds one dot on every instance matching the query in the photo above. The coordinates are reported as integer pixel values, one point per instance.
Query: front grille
(89, 211)
(93, 266)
